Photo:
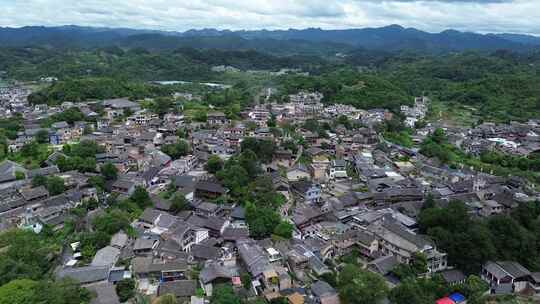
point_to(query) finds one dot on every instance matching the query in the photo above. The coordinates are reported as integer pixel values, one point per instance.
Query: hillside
(282, 42)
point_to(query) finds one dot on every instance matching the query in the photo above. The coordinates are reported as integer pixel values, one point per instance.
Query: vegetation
(109, 171)
(264, 149)
(284, 230)
(70, 116)
(395, 132)
(436, 145)
(125, 289)
(80, 157)
(471, 242)
(214, 164)
(54, 184)
(31, 155)
(176, 151)
(178, 203)
(104, 227)
(224, 294)
(26, 291)
(357, 286)
(26, 262)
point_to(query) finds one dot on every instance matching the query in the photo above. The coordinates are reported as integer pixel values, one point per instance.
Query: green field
(453, 114)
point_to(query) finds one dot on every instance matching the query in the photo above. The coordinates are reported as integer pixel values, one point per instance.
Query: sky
(496, 16)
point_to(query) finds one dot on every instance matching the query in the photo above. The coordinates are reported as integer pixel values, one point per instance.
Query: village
(342, 192)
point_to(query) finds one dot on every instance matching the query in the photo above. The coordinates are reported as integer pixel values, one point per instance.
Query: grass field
(453, 114)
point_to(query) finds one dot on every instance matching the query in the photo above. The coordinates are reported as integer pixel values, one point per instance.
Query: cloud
(519, 16)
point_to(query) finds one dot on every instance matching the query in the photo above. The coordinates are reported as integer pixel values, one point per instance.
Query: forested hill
(306, 41)
(499, 86)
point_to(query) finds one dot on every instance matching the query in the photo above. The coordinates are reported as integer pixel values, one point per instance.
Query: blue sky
(514, 16)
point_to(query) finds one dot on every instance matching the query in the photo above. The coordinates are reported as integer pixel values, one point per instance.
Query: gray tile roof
(384, 265)
(180, 289)
(83, 275)
(453, 276)
(253, 257)
(105, 294)
(106, 256)
(216, 271)
(204, 252)
(321, 288)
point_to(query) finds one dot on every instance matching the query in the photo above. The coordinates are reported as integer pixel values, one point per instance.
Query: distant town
(280, 203)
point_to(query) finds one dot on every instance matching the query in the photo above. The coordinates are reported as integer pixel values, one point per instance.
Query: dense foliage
(26, 261)
(437, 145)
(471, 242)
(498, 86)
(177, 150)
(358, 286)
(224, 294)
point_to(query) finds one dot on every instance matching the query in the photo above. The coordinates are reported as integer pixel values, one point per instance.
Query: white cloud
(520, 16)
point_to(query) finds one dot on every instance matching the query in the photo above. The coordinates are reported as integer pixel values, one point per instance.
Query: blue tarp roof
(457, 297)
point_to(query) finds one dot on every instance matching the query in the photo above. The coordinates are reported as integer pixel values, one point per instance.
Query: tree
(182, 133)
(87, 129)
(330, 278)
(19, 292)
(97, 181)
(418, 291)
(111, 222)
(468, 243)
(439, 136)
(357, 286)
(177, 150)
(39, 180)
(249, 161)
(214, 164)
(84, 149)
(109, 171)
(166, 299)
(200, 116)
(141, 197)
(344, 121)
(27, 255)
(65, 291)
(178, 203)
(429, 202)
(42, 137)
(419, 263)
(55, 185)
(161, 105)
(125, 289)
(234, 177)
(261, 220)
(284, 230)
(245, 277)
(224, 294)
(263, 149)
(290, 145)
(19, 175)
(30, 149)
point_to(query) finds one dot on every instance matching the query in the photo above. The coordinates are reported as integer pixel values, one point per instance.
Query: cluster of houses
(13, 99)
(520, 139)
(350, 196)
(415, 113)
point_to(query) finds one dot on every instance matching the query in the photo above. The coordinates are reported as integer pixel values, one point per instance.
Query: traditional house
(208, 190)
(505, 276)
(395, 239)
(306, 191)
(298, 172)
(337, 169)
(217, 119)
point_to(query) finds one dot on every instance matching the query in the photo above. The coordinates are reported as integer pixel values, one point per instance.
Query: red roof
(446, 300)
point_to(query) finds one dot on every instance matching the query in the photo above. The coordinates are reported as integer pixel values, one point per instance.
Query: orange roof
(296, 298)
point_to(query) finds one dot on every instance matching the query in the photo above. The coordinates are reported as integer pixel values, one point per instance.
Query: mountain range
(305, 41)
